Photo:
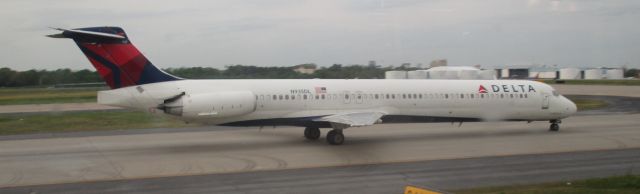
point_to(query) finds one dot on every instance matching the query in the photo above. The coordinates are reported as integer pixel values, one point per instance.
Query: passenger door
(545, 101)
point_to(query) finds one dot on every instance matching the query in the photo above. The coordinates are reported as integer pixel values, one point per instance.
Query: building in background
(513, 73)
(614, 74)
(543, 72)
(443, 72)
(395, 75)
(417, 74)
(438, 63)
(308, 68)
(570, 74)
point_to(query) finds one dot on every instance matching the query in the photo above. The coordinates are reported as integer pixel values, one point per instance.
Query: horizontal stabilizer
(74, 33)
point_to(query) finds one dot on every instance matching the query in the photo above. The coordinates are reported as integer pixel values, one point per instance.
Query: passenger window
(322, 96)
(275, 97)
(280, 97)
(286, 97)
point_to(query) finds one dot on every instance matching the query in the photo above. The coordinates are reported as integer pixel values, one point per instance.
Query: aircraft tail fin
(115, 58)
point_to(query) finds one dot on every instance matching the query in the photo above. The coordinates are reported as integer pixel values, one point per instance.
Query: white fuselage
(252, 101)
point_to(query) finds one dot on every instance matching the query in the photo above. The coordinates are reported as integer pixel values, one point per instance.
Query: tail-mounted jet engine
(215, 104)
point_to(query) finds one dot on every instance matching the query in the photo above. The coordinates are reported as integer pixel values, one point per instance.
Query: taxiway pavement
(445, 175)
(25, 162)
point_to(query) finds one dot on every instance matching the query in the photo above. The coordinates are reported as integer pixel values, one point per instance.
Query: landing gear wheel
(335, 137)
(312, 133)
(554, 125)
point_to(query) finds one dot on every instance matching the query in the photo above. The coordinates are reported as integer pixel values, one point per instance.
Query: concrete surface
(598, 90)
(32, 108)
(92, 158)
(444, 175)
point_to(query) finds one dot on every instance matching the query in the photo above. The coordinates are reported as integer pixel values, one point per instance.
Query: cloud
(288, 32)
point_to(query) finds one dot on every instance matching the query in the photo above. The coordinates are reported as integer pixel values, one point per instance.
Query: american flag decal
(321, 90)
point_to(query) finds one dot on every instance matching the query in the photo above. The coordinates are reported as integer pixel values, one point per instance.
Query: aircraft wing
(356, 119)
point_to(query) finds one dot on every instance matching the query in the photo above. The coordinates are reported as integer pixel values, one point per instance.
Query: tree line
(40, 78)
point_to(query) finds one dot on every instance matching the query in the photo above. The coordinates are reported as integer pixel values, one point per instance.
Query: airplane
(310, 103)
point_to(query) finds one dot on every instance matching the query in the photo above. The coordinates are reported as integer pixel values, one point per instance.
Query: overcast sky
(580, 33)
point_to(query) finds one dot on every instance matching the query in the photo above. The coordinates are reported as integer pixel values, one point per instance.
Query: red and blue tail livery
(117, 60)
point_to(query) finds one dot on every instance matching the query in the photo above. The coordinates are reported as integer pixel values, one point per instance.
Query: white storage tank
(542, 74)
(468, 74)
(395, 75)
(451, 72)
(614, 74)
(487, 74)
(451, 75)
(418, 74)
(570, 73)
(436, 74)
(504, 73)
(593, 74)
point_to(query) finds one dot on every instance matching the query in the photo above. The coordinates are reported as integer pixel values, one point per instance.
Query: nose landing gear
(554, 125)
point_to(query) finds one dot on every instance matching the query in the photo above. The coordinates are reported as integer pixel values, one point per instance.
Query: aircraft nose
(571, 107)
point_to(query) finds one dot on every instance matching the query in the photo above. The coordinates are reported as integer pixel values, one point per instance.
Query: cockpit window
(555, 93)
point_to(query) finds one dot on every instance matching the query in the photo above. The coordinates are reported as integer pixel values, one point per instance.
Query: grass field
(83, 121)
(47, 95)
(588, 103)
(619, 185)
(632, 82)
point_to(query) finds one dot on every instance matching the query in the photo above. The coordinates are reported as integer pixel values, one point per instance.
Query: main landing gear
(554, 125)
(334, 137)
(312, 133)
